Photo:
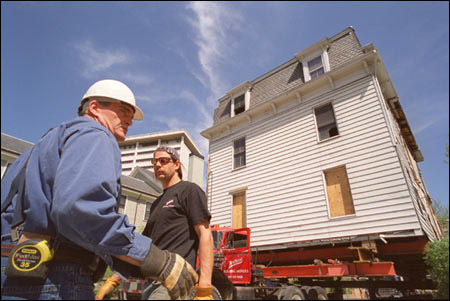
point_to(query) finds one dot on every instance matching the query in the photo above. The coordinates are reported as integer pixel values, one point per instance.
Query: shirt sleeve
(196, 206)
(85, 198)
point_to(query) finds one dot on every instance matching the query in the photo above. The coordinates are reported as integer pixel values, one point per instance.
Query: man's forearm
(206, 258)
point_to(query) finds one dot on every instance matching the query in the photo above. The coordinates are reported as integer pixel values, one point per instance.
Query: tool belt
(70, 253)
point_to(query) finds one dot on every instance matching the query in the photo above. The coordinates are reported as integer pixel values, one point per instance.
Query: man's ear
(93, 108)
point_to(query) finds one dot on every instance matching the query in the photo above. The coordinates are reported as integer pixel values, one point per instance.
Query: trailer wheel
(291, 293)
(317, 293)
(305, 290)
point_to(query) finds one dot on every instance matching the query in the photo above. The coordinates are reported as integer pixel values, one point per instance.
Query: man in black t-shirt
(179, 223)
(179, 219)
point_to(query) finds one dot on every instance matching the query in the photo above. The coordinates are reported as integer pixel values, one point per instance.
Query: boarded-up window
(239, 153)
(326, 122)
(239, 211)
(339, 194)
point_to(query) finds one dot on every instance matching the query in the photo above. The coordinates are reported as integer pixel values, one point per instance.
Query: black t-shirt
(173, 216)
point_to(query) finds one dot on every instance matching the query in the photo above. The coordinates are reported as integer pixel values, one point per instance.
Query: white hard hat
(116, 91)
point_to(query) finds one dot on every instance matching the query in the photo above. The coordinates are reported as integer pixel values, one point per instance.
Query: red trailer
(245, 275)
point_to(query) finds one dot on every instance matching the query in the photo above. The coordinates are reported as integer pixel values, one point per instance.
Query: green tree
(437, 258)
(441, 212)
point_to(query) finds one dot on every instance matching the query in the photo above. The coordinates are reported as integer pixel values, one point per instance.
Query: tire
(291, 293)
(305, 290)
(317, 293)
(216, 294)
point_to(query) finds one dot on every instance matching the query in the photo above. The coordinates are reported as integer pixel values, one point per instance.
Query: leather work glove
(203, 293)
(172, 270)
(107, 288)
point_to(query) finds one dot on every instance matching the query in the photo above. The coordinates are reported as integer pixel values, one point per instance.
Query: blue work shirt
(72, 191)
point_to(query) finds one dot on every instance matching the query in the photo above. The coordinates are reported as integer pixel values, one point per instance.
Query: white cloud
(171, 122)
(110, 63)
(213, 24)
(137, 78)
(206, 119)
(95, 60)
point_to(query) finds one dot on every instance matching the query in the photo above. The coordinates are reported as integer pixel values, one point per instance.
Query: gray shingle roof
(344, 46)
(138, 185)
(148, 177)
(14, 145)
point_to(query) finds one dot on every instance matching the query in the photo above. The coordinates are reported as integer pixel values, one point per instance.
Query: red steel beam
(373, 269)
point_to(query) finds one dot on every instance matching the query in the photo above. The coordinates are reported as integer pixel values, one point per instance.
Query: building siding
(286, 195)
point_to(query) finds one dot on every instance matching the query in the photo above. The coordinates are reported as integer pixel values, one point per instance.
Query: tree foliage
(437, 258)
(441, 212)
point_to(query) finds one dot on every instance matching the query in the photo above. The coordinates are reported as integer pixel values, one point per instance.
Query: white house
(318, 150)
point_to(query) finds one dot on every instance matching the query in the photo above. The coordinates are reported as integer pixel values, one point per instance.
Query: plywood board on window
(339, 195)
(239, 210)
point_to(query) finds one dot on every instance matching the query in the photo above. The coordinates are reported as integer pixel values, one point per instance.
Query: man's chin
(120, 138)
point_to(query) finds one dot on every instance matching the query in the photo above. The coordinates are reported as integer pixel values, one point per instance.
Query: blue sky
(180, 57)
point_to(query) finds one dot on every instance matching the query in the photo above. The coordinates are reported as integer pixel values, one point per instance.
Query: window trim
(246, 94)
(316, 69)
(317, 126)
(232, 195)
(245, 153)
(323, 53)
(242, 96)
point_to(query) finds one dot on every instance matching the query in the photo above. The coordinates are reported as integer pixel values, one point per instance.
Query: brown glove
(175, 273)
(107, 288)
(203, 293)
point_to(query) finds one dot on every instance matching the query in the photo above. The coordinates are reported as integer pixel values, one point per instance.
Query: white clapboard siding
(286, 194)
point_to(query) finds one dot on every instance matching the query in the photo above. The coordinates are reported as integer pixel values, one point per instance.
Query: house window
(123, 200)
(340, 199)
(239, 153)
(239, 104)
(315, 67)
(239, 211)
(147, 210)
(326, 122)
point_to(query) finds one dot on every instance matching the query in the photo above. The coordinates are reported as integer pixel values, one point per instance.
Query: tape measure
(30, 259)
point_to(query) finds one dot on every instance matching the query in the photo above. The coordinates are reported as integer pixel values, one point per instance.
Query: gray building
(138, 151)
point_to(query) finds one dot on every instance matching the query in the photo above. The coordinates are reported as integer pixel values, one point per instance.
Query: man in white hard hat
(59, 209)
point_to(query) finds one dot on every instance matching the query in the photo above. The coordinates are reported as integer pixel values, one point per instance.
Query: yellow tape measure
(28, 259)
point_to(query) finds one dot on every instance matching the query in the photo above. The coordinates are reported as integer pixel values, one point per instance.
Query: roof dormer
(240, 98)
(314, 59)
